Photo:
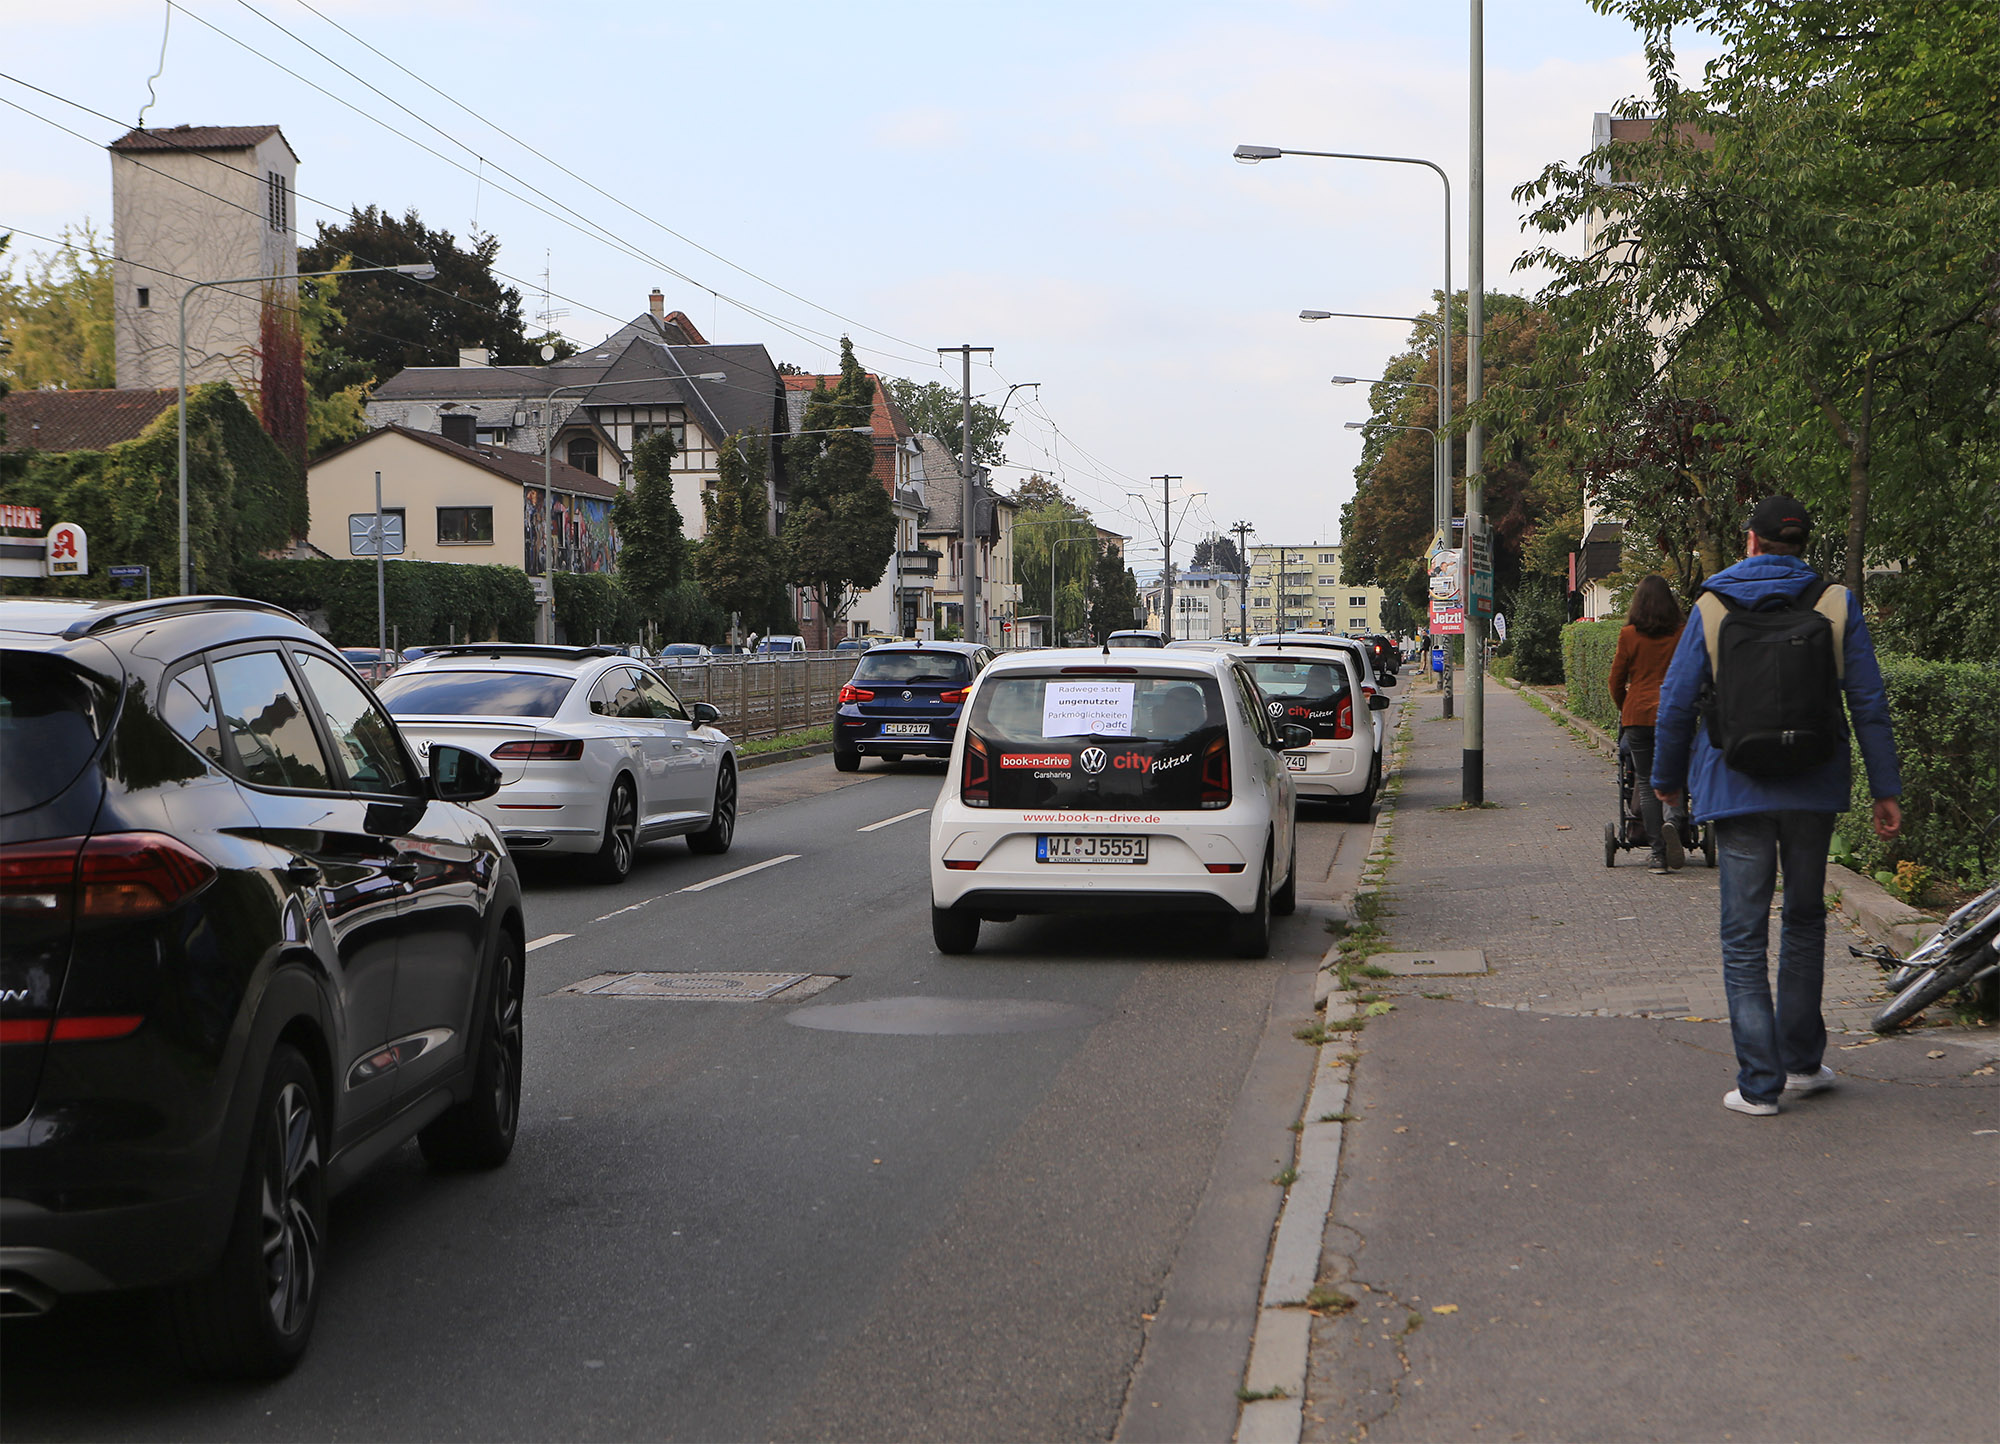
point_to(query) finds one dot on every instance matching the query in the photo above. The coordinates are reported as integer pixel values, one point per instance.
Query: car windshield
(1133, 639)
(51, 718)
(880, 666)
(1101, 741)
(474, 694)
(1311, 694)
(681, 649)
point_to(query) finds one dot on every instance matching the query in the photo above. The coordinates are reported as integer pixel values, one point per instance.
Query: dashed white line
(551, 938)
(892, 821)
(741, 872)
(619, 912)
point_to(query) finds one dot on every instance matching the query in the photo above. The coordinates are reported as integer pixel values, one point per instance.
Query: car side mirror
(458, 775)
(1378, 703)
(706, 714)
(1292, 736)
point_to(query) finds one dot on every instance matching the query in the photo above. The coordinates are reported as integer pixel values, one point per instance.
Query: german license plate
(1087, 847)
(1295, 762)
(906, 729)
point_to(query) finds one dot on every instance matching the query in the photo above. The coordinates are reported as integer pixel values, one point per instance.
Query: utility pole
(1243, 530)
(1472, 783)
(381, 588)
(1167, 546)
(968, 529)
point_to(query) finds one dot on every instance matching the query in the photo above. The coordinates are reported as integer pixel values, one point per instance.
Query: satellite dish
(548, 353)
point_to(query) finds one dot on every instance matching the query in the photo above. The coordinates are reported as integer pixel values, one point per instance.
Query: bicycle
(1963, 951)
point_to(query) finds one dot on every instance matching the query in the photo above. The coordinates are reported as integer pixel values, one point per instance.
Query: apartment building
(1295, 587)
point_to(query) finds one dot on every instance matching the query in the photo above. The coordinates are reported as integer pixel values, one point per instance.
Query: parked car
(1321, 691)
(372, 664)
(904, 699)
(853, 644)
(1143, 785)
(1213, 644)
(728, 649)
(1373, 679)
(597, 755)
(683, 654)
(780, 645)
(1136, 637)
(250, 948)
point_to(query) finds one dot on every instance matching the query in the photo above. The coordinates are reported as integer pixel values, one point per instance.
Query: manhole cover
(703, 987)
(940, 1017)
(1446, 962)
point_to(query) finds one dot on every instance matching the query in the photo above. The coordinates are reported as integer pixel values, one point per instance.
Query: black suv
(249, 949)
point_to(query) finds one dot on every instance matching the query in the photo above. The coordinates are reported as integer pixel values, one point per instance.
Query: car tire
(714, 840)
(1250, 934)
(252, 1317)
(613, 860)
(1285, 901)
(954, 932)
(479, 1133)
(846, 759)
(1361, 807)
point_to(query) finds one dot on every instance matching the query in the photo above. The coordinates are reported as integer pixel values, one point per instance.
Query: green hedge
(429, 603)
(1588, 649)
(591, 605)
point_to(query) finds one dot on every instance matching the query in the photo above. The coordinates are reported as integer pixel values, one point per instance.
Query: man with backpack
(1767, 655)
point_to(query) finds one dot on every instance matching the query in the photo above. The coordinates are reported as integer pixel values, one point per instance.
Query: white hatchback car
(1088, 780)
(1321, 690)
(596, 753)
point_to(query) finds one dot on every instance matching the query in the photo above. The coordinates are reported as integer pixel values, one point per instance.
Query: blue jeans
(1792, 1037)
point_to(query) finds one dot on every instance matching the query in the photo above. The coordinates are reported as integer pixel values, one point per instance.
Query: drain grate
(703, 987)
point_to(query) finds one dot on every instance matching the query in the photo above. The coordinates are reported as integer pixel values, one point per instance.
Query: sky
(1052, 180)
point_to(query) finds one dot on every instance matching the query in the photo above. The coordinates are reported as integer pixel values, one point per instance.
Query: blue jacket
(1681, 745)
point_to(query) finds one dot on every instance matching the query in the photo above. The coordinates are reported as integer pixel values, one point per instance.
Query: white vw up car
(1087, 780)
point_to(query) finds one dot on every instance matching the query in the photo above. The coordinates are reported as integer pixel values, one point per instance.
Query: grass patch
(1369, 970)
(1287, 1176)
(783, 740)
(1342, 1117)
(1325, 1299)
(1436, 997)
(1252, 1396)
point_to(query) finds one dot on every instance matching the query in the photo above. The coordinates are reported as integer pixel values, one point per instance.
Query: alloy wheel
(291, 1233)
(624, 827)
(725, 807)
(506, 1040)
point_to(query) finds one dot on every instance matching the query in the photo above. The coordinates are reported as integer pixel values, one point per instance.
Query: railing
(765, 695)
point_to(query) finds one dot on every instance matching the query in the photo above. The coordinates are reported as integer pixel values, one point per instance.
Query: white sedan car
(596, 753)
(1089, 780)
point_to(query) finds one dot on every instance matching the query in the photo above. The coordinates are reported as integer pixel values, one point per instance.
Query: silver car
(597, 755)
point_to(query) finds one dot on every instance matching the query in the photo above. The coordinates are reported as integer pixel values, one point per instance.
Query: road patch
(703, 987)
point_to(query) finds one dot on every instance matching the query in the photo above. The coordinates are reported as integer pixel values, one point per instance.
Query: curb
(782, 754)
(1870, 907)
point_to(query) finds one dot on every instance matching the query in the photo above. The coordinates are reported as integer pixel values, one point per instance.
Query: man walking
(1763, 663)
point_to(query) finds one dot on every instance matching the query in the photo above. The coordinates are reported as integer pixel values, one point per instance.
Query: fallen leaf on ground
(1444, 1308)
(1935, 1053)
(1562, 827)
(1404, 1128)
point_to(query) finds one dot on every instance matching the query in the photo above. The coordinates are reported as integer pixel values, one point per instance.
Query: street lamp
(418, 270)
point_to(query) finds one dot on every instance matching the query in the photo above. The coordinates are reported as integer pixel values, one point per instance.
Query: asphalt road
(946, 1216)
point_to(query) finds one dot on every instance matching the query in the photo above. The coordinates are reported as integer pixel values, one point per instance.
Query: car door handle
(300, 873)
(402, 869)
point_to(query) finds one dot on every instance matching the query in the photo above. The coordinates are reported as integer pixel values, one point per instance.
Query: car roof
(517, 657)
(1150, 658)
(963, 647)
(87, 617)
(1282, 653)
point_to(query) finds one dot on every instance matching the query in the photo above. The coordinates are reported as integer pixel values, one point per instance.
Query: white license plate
(1295, 762)
(1087, 847)
(906, 729)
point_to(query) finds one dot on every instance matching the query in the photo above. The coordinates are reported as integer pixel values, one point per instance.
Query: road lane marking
(892, 821)
(741, 872)
(551, 938)
(619, 912)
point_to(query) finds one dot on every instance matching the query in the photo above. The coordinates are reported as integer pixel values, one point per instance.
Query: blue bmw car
(904, 700)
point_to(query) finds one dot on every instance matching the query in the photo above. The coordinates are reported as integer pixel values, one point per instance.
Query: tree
(739, 563)
(337, 385)
(55, 317)
(935, 409)
(394, 322)
(1038, 530)
(1038, 493)
(1218, 554)
(652, 552)
(1114, 593)
(840, 528)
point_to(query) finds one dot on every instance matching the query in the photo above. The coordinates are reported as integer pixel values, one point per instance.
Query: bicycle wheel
(1967, 957)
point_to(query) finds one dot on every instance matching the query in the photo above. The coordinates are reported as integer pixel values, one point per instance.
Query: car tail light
(1100, 671)
(88, 1028)
(1215, 773)
(117, 875)
(957, 696)
(1343, 720)
(977, 778)
(960, 866)
(852, 693)
(570, 751)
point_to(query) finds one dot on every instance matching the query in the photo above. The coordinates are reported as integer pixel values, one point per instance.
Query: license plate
(1086, 847)
(1295, 762)
(906, 729)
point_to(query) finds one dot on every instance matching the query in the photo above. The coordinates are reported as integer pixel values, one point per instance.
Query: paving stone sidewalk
(1525, 880)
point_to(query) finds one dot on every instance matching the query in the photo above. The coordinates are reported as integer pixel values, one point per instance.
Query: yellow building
(1298, 588)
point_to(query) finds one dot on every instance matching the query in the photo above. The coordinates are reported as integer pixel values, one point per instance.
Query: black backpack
(1773, 704)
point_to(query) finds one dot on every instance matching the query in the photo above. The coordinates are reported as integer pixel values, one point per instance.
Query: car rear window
(52, 718)
(474, 694)
(1104, 743)
(878, 666)
(1308, 693)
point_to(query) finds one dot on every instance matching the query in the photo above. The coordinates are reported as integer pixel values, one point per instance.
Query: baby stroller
(1629, 831)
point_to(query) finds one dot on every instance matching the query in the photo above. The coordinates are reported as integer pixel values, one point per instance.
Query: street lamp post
(420, 270)
(1441, 499)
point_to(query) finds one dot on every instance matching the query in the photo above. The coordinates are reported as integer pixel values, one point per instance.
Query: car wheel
(613, 862)
(846, 759)
(1361, 807)
(479, 1133)
(252, 1317)
(721, 829)
(1250, 935)
(1285, 901)
(954, 932)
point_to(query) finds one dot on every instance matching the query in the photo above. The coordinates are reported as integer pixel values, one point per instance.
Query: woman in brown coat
(1645, 647)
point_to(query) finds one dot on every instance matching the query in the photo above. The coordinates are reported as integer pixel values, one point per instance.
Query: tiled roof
(79, 420)
(198, 137)
(892, 428)
(515, 466)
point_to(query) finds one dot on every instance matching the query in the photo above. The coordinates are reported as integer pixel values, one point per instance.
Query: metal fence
(763, 696)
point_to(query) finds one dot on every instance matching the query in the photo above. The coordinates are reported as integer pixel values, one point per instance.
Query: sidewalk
(1549, 1225)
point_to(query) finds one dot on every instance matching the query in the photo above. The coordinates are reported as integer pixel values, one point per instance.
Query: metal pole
(1473, 778)
(381, 587)
(185, 576)
(968, 521)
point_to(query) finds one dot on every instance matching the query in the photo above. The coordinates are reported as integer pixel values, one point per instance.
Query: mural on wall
(585, 539)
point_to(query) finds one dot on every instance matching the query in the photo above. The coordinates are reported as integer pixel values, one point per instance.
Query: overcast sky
(1050, 179)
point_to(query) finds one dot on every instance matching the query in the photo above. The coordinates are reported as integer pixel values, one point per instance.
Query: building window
(465, 526)
(279, 202)
(1357, 601)
(1329, 559)
(583, 453)
(145, 298)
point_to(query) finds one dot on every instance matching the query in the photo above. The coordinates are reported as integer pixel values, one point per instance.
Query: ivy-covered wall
(430, 603)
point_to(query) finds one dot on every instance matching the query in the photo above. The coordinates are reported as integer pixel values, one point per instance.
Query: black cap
(1781, 519)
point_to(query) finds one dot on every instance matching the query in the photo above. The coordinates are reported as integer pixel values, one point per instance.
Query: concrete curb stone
(783, 754)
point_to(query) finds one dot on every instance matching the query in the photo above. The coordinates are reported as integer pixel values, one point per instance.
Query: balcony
(919, 563)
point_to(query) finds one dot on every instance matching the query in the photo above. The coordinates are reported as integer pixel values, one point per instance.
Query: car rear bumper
(864, 734)
(46, 1254)
(1005, 876)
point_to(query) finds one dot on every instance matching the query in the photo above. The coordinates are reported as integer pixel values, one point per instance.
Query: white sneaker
(1804, 1083)
(1737, 1102)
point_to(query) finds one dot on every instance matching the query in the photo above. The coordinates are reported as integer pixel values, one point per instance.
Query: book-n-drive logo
(1010, 760)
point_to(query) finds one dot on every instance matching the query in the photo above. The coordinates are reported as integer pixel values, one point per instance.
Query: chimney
(658, 304)
(474, 356)
(457, 426)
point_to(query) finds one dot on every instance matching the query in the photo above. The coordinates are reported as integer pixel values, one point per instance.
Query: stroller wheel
(1708, 844)
(1610, 845)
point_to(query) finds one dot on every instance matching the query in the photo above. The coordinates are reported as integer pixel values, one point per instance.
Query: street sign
(1500, 626)
(20, 518)
(1479, 571)
(361, 534)
(69, 551)
(1006, 626)
(1447, 589)
(128, 577)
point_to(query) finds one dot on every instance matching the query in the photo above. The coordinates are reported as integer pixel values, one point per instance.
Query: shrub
(430, 603)
(591, 605)
(1534, 641)
(1587, 652)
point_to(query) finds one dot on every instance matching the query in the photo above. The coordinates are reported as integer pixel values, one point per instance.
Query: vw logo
(1092, 759)
(906, 694)
(1276, 709)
